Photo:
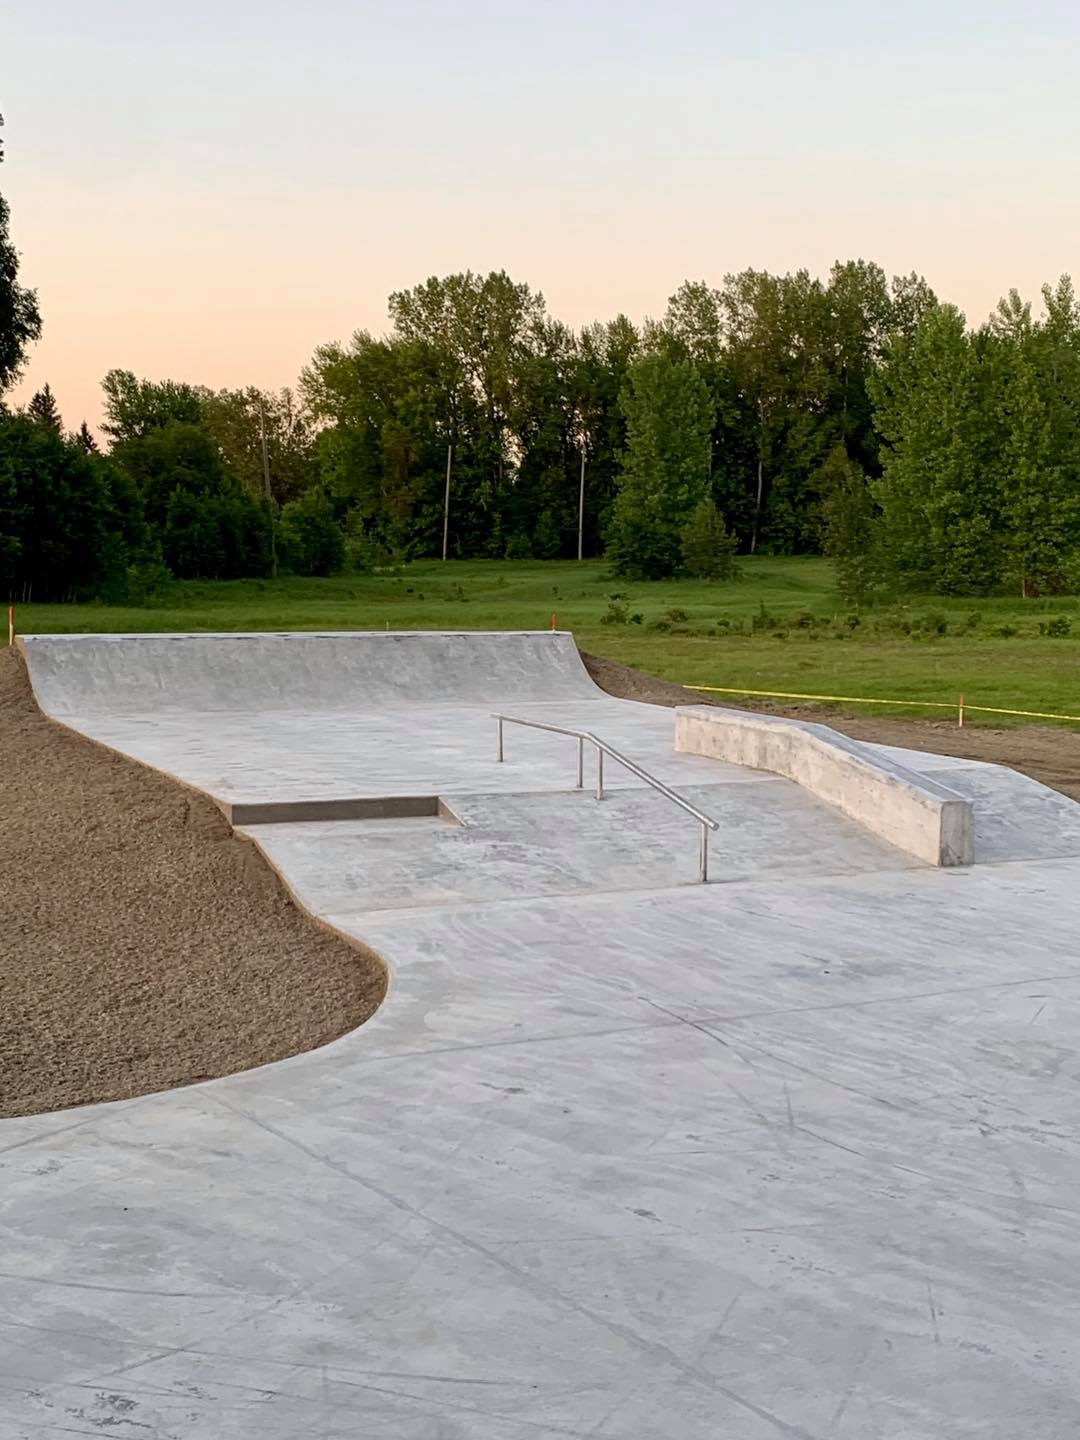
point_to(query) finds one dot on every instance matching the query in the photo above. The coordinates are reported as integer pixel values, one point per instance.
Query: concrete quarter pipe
(792, 1154)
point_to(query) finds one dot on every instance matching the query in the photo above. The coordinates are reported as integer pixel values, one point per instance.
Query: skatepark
(791, 1152)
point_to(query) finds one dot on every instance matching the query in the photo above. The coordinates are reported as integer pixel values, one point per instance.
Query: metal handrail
(706, 822)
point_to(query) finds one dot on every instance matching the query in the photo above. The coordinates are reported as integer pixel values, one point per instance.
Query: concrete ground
(791, 1154)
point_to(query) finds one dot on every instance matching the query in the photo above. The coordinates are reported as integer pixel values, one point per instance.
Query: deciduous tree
(665, 473)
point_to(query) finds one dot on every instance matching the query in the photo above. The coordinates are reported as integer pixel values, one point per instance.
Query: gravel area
(1049, 755)
(143, 945)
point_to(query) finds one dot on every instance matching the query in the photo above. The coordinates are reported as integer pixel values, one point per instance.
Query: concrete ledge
(910, 811)
(374, 807)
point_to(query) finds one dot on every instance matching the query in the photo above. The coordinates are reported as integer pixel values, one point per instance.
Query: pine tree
(43, 410)
(708, 548)
(84, 436)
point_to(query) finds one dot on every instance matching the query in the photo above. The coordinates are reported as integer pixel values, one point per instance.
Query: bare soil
(1049, 755)
(143, 945)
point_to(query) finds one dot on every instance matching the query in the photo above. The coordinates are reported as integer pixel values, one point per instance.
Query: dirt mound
(142, 944)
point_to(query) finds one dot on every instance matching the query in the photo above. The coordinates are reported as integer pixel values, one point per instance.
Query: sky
(206, 192)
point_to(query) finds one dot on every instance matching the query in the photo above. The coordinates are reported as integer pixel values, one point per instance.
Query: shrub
(148, 581)
(932, 623)
(1056, 629)
(617, 612)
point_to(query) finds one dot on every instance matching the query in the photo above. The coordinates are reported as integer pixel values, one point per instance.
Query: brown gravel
(1051, 756)
(142, 944)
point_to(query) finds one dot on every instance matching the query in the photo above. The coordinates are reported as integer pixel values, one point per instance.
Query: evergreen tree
(669, 418)
(66, 528)
(708, 549)
(84, 437)
(43, 410)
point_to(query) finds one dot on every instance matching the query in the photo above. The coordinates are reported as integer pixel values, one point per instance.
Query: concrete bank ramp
(351, 670)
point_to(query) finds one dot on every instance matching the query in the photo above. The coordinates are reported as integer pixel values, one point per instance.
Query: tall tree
(940, 523)
(669, 418)
(134, 408)
(84, 437)
(605, 353)
(388, 411)
(754, 323)
(1037, 384)
(20, 319)
(67, 529)
(486, 327)
(43, 410)
(235, 418)
(1039, 505)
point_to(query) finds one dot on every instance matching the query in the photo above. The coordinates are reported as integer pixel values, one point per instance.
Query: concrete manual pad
(620, 1156)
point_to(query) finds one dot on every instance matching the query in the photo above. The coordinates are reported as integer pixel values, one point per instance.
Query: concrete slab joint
(910, 811)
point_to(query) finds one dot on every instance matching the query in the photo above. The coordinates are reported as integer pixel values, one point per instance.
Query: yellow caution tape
(872, 700)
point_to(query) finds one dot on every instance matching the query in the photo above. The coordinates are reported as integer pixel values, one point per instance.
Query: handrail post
(580, 761)
(599, 773)
(499, 742)
(703, 855)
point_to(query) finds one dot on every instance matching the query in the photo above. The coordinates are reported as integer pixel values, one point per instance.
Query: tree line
(780, 414)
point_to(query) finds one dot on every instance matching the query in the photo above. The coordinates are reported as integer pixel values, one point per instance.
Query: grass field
(779, 627)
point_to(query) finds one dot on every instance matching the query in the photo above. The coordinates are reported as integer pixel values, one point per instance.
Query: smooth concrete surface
(505, 846)
(914, 812)
(621, 1156)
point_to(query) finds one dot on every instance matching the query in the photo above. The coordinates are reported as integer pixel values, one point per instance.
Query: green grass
(810, 647)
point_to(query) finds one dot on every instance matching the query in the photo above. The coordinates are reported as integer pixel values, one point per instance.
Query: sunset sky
(205, 192)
